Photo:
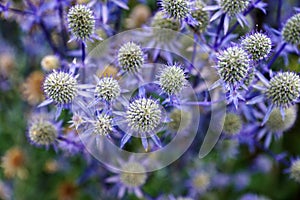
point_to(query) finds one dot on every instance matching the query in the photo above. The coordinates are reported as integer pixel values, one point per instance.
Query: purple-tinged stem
(276, 55)
(194, 52)
(83, 52)
(82, 60)
(48, 37)
(63, 29)
(279, 12)
(272, 154)
(17, 11)
(219, 30)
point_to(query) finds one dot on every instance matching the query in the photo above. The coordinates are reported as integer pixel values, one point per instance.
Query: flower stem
(219, 30)
(83, 52)
(48, 37)
(62, 26)
(279, 12)
(82, 60)
(17, 11)
(276, 55)
(194, 52)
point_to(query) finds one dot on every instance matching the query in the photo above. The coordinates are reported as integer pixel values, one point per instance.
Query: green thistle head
(42, 132)
(81, 22)
(284, 89)
(201, 16)
(233, 124)
(177, 9)
(103, 125)
(107, 89)
(291, 30)
(61, 87)
(131, 57)
(233, 7)
(133, 175)
(258, 45)
(143, 115)
(233, 65)
(275, 122)
(172, 80)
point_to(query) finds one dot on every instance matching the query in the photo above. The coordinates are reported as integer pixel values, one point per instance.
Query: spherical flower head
(178, 9)
(258, 45)
(31, 88)
(233, 65)
(232, 124)
(61, 87)
(42, 132)
(13, 162)
(7, 63)
(161, 23)
(200, 15)
(180, 119)
(201, 181)
(138, 16)
(133, 175)
(50, 62)
(130, 57)
(291, 30)
(103, 125)
(172, 80)
(277, 124)
(295, 170)
(233, 7)
(107, 89)
(284, 89)
(143, 115)
(81, 22)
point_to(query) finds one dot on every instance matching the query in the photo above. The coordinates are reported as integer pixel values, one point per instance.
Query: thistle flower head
(201, 181)
(103, 125)
(172, 80)
(291, 30)
(60, 87)
(232, 124)
(13, 163)
(133, 175)
(42, 132)
(200, 15)
(50, 62)
(275, 122)
(258, 45)
(284, 89)
(295, 170)
(143, 115)
(130, 57)
(107, 89)
(159, 21)
(233, 7)
(178, 9)
(180, 119)
(31, 88)
(233, 65)
(81, 22)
